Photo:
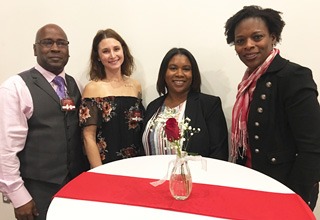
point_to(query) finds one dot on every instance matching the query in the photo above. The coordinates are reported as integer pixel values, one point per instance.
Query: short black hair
(271, 18)
(196, 78)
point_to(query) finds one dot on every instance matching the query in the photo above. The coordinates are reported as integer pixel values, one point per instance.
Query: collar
(49, 76)
(277, 64)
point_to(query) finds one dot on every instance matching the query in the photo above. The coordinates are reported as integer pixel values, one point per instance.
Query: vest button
(260, 110)
(263, 96)
(273, 160)
(256, 137)
(257, 150)
(257, 124)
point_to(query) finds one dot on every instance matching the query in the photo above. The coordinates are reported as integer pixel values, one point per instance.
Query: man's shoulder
(28, 72)
(14, 87)
(12, 81)
(69, 76)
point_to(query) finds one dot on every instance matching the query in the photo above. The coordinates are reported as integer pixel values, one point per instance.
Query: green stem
(178, 148)
(184, 178)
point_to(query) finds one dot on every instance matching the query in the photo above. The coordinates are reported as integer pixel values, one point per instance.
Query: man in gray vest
(41, 147)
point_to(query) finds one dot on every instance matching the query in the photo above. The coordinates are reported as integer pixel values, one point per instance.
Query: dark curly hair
(196, 78)
(271, 18)
(97, 70)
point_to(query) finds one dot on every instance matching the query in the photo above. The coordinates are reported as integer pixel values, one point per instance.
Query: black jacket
(284, 128)
(206, 113)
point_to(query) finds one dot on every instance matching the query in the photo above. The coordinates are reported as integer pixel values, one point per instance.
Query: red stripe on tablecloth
(208, 200)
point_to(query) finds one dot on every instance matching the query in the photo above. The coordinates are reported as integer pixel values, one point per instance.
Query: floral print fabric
(119, 123)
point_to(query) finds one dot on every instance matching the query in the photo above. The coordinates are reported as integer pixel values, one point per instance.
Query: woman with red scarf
(276, 116)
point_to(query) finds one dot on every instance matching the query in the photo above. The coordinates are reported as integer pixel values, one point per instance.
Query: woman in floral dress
(111, 111)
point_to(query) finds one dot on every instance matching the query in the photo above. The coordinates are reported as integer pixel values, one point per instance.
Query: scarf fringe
(239, 145)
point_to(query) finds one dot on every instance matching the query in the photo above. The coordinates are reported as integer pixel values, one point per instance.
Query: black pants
(42, 193)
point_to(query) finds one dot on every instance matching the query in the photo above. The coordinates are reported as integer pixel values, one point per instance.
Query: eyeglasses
(48, 43)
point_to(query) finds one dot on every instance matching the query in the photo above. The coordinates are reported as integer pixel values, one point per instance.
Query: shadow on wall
(220, 87)
(149, 91)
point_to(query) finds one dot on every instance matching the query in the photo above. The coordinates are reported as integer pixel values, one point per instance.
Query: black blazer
(284, 127)
(206, 113)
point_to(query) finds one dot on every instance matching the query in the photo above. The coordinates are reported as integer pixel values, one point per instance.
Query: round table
(219, 173)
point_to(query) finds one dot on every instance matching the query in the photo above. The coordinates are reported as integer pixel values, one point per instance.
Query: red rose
(172, 129)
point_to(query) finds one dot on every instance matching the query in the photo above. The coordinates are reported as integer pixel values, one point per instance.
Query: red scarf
(239, 133)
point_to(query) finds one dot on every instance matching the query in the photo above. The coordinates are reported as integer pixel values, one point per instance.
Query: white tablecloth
(218, 173)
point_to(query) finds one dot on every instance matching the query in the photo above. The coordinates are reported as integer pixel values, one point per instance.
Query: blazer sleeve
(205, 112)
(217, 128)
(303, 112)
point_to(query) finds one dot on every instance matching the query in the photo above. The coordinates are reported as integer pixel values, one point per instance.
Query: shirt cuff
(20, 197)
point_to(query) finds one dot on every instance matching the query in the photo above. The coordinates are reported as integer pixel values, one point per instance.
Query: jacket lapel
(191, 107)
(43, 84)
(153, 107)
(277, 64)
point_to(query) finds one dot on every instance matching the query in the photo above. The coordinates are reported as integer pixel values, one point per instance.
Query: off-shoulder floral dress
(119, 123)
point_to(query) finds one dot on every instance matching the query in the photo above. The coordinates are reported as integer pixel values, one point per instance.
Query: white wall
(151, 28)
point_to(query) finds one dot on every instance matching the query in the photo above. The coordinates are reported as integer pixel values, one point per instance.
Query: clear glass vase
(180, 183)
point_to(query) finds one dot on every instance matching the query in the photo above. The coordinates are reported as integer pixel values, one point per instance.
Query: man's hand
(26, 212)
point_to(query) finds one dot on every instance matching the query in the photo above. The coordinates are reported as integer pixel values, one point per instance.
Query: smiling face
(110, 54)
(253, 42)
(52, 58)
(179, 75)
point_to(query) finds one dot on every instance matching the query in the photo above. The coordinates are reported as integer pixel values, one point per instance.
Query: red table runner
(208, 200)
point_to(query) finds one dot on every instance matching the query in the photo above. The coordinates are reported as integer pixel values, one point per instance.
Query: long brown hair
(97, 70)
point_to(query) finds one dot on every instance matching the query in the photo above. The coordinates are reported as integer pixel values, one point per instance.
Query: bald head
(49, 27)
(52, 57)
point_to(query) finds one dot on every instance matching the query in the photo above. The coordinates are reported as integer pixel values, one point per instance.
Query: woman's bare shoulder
(136, 84)
(92, 89)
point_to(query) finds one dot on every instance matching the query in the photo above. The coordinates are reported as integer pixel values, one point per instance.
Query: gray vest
(53, 148)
